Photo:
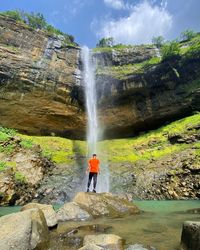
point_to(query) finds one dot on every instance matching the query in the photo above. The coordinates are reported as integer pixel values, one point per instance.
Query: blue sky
(128, 21)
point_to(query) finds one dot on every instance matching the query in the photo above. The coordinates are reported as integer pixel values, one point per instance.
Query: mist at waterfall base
(93, 129)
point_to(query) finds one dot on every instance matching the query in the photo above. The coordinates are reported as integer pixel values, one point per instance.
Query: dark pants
(94, 176)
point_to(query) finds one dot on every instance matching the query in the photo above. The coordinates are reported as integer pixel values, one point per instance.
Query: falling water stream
(93, 128)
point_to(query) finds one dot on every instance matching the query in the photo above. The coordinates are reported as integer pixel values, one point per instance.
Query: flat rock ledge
(105, 204)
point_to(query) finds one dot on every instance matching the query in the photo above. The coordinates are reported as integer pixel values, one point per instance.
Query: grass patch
(128, 69)
(3, 137)
(59, 150)
(152, 145)
(19, 177)
(3, 166)
(28, 144)
(121, 47)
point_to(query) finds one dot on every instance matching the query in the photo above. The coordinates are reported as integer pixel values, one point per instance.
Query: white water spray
(89, 68)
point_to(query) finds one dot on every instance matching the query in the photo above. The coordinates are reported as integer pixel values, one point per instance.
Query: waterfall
(93, 129)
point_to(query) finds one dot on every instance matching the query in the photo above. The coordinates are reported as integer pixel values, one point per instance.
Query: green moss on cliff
(58, 149)
(152, 145)
(120, 72)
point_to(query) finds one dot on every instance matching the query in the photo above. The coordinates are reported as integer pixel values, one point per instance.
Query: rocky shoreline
(73, 226)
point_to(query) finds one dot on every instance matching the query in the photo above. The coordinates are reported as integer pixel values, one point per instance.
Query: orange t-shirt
(94, 165)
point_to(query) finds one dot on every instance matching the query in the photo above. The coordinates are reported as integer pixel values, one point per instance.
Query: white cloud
(143, 22)
(116, 4)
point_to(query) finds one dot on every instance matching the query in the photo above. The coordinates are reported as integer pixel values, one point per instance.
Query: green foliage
(57, 149)
(152, 145)
(19, 177)
(106, 42)
(120, 72)
(8, 131)
(37, 21)
(170, 50)
(2, 166)
(15, 14)
(158, 41)
(188, 34)
(3, 136)
(194, 50)
(8, 149)
(26, 144)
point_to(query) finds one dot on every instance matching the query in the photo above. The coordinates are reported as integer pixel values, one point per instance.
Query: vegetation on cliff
(172, 151)
(37, 21)
(187, 48)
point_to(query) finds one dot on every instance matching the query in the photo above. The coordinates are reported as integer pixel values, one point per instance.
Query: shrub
(8, 131)
(37, 21)
(15, 14)
(26, 144)
(2, 166)
(188, 34)
(19, 177)
(194, 50)
(170, 50)
(158, 41)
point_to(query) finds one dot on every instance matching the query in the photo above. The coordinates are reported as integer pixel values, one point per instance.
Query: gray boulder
(105, 204)
(91, 247)
(105, 241)
(190, 238)
(24, 231)
(49, 212)
(72, 211)
(140, 247)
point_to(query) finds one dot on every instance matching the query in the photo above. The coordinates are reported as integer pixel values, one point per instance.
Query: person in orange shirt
(94, 170)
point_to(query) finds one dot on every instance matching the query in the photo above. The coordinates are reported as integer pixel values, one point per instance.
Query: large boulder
(24, 231)
(106, 241)
(72, 211)
(105, 204)
(49, 212)
(190, 238)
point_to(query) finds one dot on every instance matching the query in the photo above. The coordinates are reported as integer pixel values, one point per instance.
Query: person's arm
(99, 168)
(88, 168)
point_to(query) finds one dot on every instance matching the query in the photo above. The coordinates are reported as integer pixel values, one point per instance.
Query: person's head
(94, 156)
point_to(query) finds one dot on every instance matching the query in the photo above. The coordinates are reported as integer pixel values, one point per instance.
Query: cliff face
(38, 74)
(41, 91)
(141, 96)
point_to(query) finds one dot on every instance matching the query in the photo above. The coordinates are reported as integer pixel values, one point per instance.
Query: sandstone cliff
(38, 74)
(141, 92)
(41, 90)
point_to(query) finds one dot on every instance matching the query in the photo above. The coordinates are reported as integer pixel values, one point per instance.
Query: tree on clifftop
(106, 42)
(158, 41)
(188, 34)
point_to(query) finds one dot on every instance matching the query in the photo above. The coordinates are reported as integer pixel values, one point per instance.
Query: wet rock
(105, 204)
(48, 211)
(24, 230)
(190, 238)
(91, 247)
(140, 247)
(106, 241)
(72, 211)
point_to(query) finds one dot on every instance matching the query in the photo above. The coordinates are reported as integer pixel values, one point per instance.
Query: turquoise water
(169, 206)
(160, 225)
